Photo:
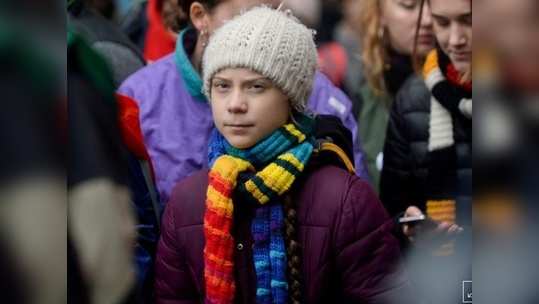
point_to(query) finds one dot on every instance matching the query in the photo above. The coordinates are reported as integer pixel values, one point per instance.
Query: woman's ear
(199, 16)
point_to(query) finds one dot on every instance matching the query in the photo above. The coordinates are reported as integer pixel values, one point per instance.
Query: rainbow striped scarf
(261, 175)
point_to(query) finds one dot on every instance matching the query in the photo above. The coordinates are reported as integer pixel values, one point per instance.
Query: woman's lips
(239, 125)
(238, 128)
(425, 39)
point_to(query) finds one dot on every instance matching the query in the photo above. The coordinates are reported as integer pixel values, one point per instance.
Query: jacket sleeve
(368, 258)
(396, 177)
(128, 113)
(173, 280)
(352, 124)
(328, 99)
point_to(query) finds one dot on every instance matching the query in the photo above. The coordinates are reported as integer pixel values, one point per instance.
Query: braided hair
(293, 251)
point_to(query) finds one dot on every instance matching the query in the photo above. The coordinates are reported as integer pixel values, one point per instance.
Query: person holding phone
(427, 164)
(428, 155)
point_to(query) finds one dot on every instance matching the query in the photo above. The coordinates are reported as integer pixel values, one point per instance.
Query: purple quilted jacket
(348, 252)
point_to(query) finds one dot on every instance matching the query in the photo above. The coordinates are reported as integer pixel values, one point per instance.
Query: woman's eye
(467, 20)
(256, 88)
(409, 5)
(220, 86)
(442, 22)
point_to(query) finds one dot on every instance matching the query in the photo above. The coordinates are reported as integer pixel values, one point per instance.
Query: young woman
(265, 224)
(428, 149)
(428, 145)
(387, 31)
(167, 120)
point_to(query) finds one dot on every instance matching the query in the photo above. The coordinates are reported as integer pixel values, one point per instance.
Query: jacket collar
(190, 76)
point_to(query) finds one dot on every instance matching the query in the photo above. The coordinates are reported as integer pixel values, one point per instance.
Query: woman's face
(399, 17)
(246, 106)
(453, 30)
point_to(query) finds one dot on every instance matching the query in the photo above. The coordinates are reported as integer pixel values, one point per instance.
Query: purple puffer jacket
(176, 120)
(348, 252)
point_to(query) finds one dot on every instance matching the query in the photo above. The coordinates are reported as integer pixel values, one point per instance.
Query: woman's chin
(240, 142)
(462, 66)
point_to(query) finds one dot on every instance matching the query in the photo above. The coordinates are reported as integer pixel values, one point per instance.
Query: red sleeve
(128, 113)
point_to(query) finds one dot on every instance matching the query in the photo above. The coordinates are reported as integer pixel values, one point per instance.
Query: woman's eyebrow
(250, 81)
(256, 79)
(219, 79)
(465, 16)
(438, 16)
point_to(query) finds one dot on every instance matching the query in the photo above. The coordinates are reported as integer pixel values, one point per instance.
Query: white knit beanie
(270, 42)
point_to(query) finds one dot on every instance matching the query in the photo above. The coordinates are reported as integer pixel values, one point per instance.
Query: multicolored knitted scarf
(261, 174)
(447, 98)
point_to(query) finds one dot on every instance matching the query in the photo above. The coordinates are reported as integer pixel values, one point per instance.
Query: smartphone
(420, 220)
(412, 219)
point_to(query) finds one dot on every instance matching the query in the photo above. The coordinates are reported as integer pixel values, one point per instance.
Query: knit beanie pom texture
(270, 42)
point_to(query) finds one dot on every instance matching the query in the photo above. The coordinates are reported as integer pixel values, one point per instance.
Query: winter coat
(348, 252)
(166, 118)
(407, 178)
(341, 61)
(373, 112)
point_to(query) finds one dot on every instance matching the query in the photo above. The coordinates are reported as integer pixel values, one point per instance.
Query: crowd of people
(251, 151)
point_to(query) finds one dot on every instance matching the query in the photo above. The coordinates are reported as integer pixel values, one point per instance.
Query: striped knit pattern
(218, 252)
(441, 122)
(269, 253)
(443, 211)
(282, 157)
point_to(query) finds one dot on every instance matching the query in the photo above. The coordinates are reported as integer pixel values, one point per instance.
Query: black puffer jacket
(408, 177)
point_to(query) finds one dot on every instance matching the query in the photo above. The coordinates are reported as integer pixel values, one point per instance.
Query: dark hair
(173, 16)
(185, 5)
(175, 13)
(416, 60)
(293, 251)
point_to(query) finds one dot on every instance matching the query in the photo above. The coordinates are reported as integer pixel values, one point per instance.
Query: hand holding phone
(417, 225)
(419, 220)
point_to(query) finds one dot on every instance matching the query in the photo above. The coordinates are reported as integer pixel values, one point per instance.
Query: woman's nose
(457, 36)
(237, 102)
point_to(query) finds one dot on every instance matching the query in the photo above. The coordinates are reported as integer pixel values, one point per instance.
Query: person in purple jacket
(166, 119)
(269, 222)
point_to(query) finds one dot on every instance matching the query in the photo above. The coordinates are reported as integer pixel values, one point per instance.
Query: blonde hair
(373, 46)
